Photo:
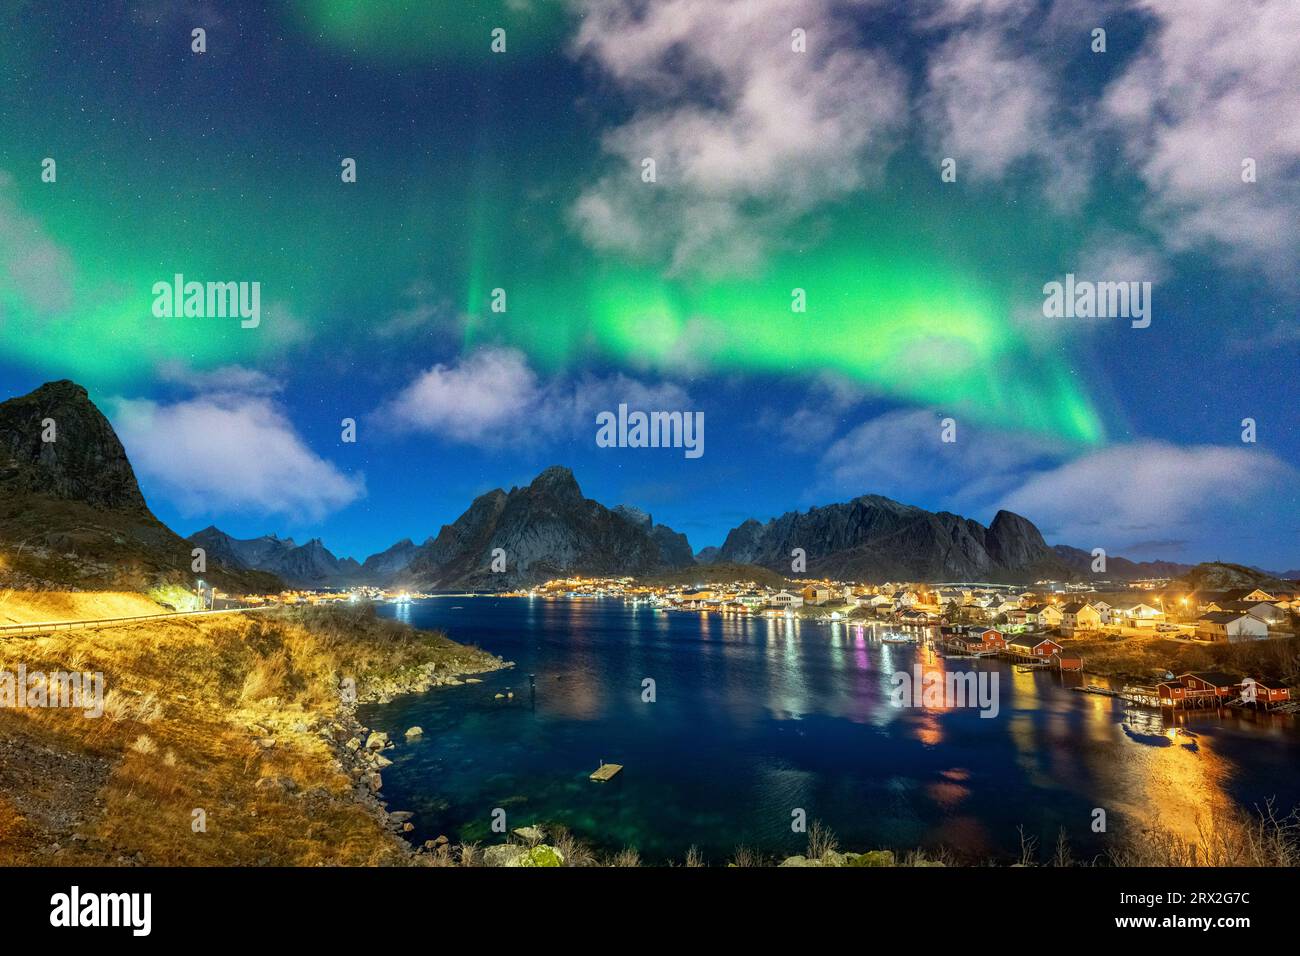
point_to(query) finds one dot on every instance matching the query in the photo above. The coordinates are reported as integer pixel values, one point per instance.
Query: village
(1051, 625)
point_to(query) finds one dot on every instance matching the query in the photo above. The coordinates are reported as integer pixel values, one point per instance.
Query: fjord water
(754, 718)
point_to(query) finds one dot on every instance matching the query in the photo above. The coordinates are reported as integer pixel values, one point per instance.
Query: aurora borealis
(519, 171)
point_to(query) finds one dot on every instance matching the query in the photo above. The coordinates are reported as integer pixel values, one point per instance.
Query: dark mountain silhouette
(545, 530)
(310, 565)
(71, 511)
(876, 538)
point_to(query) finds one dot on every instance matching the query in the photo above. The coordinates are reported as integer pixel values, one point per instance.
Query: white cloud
(228, 379)
(993, 106)
(486, 398)
(781, 133)
(1215, 83)
(1120, 497)
(1125, 493)
(901, 454)
(230, 452)
(493, 398)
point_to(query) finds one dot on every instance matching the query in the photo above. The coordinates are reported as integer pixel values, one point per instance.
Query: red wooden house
(1067, 660)
(989, 639)
(1206, 684)
(1035, 646)
(1269, 692)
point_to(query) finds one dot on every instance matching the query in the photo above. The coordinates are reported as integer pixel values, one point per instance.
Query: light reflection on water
(756, 717)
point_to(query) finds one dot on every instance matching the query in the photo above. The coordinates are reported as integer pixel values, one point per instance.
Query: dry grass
(40, 607)
(821, 841)
(191, 705)
(1143, 656)
(1227, 838)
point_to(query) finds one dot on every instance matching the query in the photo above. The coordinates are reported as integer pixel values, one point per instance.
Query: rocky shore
(361, 753)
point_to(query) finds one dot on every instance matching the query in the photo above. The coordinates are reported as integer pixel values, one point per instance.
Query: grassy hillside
(38, 607)
(1143, 657)
(51, 544)
(238, 715)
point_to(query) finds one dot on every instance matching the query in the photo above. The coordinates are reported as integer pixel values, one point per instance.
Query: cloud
(901, 454)
(227, 451)
(1133, 499)
(486, 398)
(779, 133)
(1123, 494)
(423, 310)
(813, 424)
(1214, 84)
(36, 273)
(493, 398)
(228, 379)
(993, 105)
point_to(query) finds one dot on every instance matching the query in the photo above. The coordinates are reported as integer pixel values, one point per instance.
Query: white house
(785, 599)
(1230, 626)
(1138, 615)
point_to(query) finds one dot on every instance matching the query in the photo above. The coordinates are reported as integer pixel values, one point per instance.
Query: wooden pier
(606, 772)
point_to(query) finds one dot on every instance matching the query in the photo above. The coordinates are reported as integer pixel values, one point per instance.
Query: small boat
(896, 639)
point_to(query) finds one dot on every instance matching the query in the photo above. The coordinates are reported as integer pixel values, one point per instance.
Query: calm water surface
(754, 718)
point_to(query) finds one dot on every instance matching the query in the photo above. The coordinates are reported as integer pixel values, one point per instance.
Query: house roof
(1217, 678)
(1074, 607)
(1268, 684)
(1222, 617)
(1029, 640)
(1068, 653)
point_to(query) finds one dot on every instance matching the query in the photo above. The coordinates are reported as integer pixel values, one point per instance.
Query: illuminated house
(1032, 646)
(1080, 617)
(1230, 626)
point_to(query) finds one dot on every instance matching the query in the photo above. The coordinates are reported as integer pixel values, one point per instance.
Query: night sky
(775, 170)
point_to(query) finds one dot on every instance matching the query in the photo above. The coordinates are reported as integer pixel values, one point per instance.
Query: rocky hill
(1219, 576)
(546, 530)
(876, 538)
(1117, 568)
(71, 511)
(310, 565)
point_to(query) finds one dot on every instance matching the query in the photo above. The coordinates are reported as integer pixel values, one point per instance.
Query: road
(49, 627)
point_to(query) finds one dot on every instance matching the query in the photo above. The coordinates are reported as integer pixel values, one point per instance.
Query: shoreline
(360, 751)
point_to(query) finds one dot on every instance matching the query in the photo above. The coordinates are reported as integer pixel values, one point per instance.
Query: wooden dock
(606, 772)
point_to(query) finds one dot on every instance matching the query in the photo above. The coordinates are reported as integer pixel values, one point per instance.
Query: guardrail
(52, 626)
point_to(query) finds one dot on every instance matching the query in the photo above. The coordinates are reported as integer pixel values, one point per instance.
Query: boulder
(414, 732)
(503, 855)
(540, 855)
(873, 858)
(530, 834)
(377, 740)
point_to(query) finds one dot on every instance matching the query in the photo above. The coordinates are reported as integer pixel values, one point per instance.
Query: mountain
(707, 555)
(1117, 568)
(673, 546)
(1220, 576)
(876, 538)
(386, 565)
(311, 565)
(71, 511)
(545, 530)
